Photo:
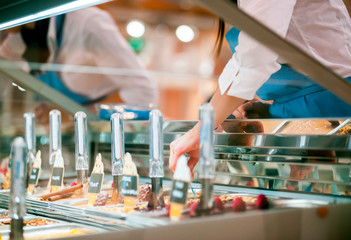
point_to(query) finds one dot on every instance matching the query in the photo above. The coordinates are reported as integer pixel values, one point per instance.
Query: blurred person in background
(254, 69)
(87, 37)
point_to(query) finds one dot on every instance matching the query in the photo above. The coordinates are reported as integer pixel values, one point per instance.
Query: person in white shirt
(87, 37)
(322, 28)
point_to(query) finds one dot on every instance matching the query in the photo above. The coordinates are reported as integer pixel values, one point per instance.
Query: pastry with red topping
(262, 202)
(239, 205)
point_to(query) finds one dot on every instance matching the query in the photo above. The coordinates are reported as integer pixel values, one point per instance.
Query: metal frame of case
(261, 160)
(248, 163)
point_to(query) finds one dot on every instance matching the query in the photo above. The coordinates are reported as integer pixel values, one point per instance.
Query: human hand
(243, 126)
(188, 143)
(42, 111)
(300, 171)
(252, 109)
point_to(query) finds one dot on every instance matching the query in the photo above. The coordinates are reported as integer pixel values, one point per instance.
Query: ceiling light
(136, 28)
(185, 33)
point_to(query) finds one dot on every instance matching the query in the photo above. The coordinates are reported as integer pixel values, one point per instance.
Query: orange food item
(33, 222)
(322, 212)
(101, 199)
(345, 130)
(39, 222)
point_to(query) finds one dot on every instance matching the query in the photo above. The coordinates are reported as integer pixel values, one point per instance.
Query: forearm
(189, 143)
(223, 106)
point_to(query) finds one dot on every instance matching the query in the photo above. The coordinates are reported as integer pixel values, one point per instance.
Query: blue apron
(51, 78)
(295, 95)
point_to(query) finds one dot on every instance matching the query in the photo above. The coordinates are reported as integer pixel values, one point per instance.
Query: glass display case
(293, 176)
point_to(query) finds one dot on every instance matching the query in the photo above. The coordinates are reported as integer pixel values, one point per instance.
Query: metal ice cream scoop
(81, 144)
(206, 159)
(17, 193)
(117, 156)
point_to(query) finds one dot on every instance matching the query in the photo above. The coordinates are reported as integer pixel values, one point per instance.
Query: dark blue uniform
(295, 95)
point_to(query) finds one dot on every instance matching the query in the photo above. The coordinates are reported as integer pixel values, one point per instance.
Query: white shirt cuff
(228, 75)
(241, 82)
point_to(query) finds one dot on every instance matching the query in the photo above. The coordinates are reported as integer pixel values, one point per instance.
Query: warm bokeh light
(136, 28)
(185, 33)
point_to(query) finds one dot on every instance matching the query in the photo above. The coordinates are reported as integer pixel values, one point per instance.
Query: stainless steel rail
(227, 141)
(299, 163)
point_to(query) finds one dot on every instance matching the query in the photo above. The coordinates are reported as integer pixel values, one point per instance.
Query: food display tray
(55, 231)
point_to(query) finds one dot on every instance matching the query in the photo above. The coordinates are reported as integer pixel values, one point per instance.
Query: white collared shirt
(91, 38)
(322, 28)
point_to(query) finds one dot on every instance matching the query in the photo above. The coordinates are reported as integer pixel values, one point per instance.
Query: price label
(95, 183)
(57, 177)
(34, 176)
(129, 186)
(179, 192)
